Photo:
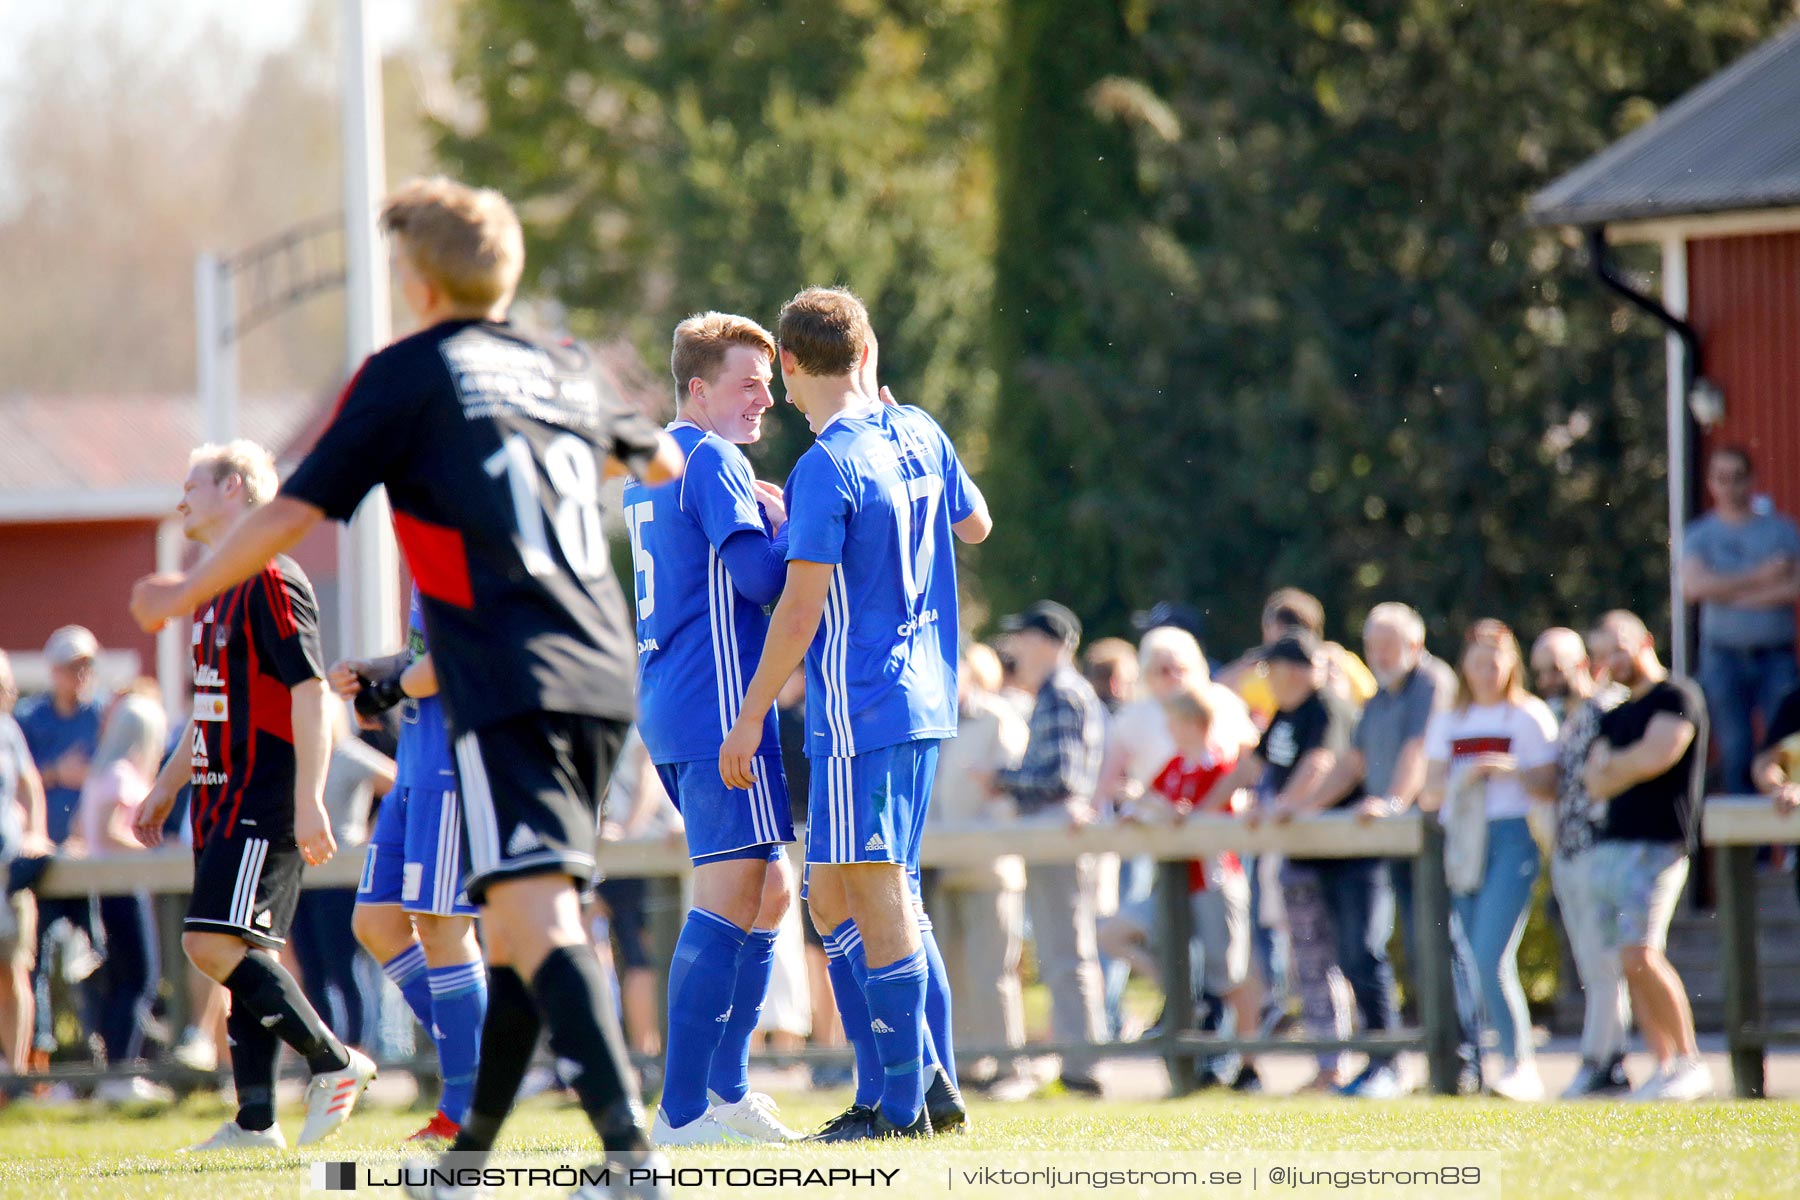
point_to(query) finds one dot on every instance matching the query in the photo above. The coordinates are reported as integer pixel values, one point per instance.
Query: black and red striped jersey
(253, 644)
(492, 444)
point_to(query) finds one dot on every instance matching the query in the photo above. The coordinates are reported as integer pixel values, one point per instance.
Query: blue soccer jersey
(699, 639)
(876, 495)
(423, 757)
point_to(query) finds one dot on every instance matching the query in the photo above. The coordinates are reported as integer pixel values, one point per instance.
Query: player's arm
(975, 527)
(791, 629)
(153, 813)
(662, 466)
(420, 679)
(272, 529)
(312, 753)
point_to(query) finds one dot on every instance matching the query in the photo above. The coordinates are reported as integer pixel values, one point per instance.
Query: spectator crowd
(1576, 753)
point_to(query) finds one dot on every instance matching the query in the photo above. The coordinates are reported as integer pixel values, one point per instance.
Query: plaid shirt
(1062, 757)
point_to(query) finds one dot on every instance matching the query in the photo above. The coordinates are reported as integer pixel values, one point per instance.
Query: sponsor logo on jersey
(647, 645)
(880, 1026)
(874, 843)
(210, 779)
(211, 706)
(524, 838)
(928, 617)
(208, 676)
(201, 758)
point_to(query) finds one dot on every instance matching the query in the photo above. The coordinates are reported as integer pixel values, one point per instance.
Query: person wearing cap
(1309, 731)
(62, 727)
(1057, 780)
(1290, 610)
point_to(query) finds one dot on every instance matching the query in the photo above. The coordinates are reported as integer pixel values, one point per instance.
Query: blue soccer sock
(853, 1010)
(941, 1048)
(896, 995)
(730, 1076)
(458, 1008)
(700, 992)
(408, 971)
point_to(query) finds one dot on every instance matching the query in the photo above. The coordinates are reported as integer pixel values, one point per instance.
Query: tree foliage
(675, 157)
(1221, 296)
(1320, 344)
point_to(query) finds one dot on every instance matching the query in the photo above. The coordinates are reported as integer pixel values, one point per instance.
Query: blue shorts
(871, 807)
(726, 823)
(416, 854)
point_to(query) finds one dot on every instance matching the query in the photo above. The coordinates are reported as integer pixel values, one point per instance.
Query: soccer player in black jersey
(493, 444)
(255, 753)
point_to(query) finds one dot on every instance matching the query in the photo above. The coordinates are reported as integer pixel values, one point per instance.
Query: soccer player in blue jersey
(411, 911)
(874, 505)
(707, 561)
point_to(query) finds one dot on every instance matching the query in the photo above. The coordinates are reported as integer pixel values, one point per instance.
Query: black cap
(1165, 612)
(1299, 648)
(1048, 618)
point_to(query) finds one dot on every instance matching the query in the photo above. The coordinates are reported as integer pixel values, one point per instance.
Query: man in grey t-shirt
(1743, 568)
(1381, 776)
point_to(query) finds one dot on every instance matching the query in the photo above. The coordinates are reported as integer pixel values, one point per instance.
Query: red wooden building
(1714, 181)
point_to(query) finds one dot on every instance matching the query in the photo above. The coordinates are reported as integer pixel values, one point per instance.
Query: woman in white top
(1477, 755)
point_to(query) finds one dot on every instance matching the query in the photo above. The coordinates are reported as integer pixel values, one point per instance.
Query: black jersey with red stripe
(492, 443)
(253, 644)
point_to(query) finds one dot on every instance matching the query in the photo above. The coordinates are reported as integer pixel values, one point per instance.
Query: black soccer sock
(509, 1034)
(262, 987)
(576, 1005)
(253, 1053)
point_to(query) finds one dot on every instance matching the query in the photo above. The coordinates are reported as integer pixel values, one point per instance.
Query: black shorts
(246, 886)
(531, 793)
(624, 900)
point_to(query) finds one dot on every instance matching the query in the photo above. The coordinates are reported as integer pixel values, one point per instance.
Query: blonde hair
(1191, 703)
(826, 330)
(465, 240)
(1173, 642)
(248, 460)
(982, 666)
(701, 343)
(135, 729)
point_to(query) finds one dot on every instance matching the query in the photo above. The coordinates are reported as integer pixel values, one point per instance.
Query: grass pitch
(1747, 1150)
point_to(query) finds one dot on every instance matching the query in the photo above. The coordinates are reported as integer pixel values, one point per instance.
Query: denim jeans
(1493, 921)
(1360, 895)
(1737, 684)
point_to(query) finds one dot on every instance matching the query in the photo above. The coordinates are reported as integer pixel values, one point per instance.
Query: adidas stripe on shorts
(245, 886)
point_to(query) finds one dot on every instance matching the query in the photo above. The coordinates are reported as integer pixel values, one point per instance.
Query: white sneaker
(756, 1116)
(703, 1130)
(331, 1097)
(1688, 1079)
(232, 1136)
(1652, 1088)
(1521, 1083)
(133, 1091)
(196, 1051)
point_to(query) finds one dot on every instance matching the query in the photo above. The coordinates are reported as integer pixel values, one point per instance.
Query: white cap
(69, 644)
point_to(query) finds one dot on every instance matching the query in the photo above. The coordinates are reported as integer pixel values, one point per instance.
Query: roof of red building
(1730, 145)
(92, 456)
